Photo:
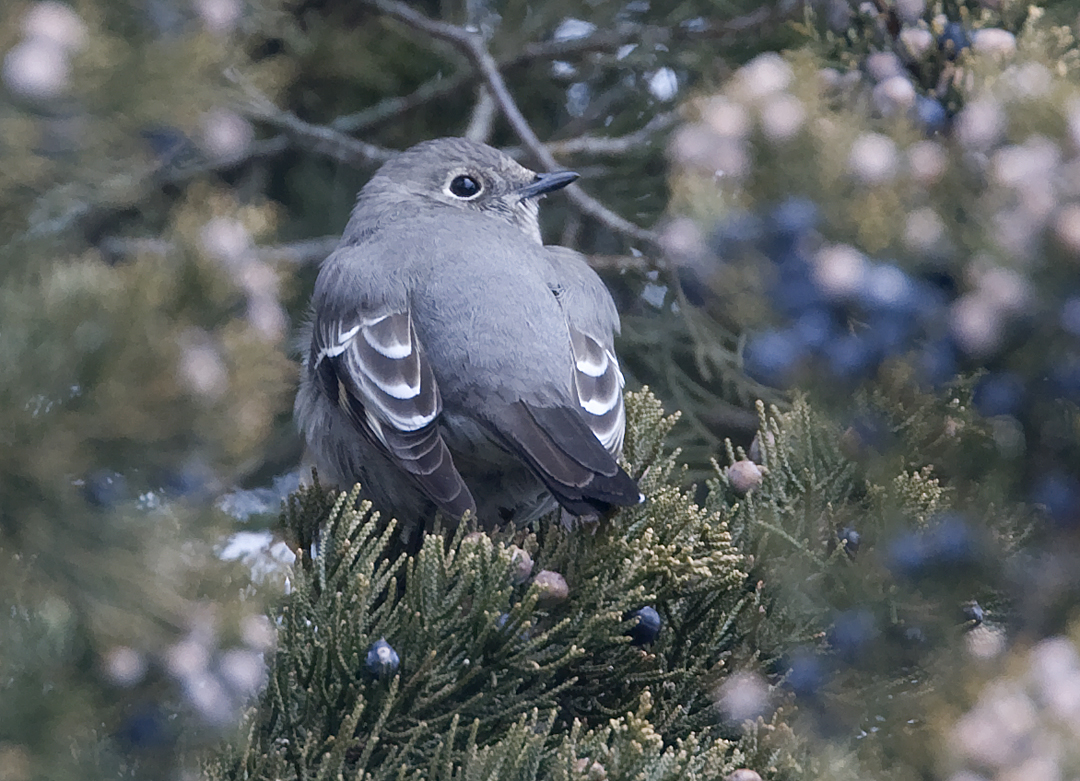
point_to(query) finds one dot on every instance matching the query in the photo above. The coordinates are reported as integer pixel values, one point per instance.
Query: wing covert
(593, 321)
(372, 365)
(599, 383)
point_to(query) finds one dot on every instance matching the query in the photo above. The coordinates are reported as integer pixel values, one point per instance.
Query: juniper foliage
(492, 672)
(896, 222)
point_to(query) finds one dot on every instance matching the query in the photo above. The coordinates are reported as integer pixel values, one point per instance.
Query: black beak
(547, 183)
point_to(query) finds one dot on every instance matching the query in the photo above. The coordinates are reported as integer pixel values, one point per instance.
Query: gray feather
(593, 321)
(442, 372)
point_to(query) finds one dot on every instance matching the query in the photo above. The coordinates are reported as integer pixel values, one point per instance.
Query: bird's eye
(465, 186)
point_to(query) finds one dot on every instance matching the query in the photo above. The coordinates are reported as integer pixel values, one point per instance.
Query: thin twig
(613, 146)
(341, 147)
(473, 47)
(297, 253)
(307, 251)
(390, 108)
(124, 247)
(151, 177)
(321, 139)
(483, 117)
(300, 253)
(607, 40)
(621, 263)
(442, 86)
(325, 140)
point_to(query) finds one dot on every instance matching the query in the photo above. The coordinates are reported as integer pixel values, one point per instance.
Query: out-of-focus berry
(883, 66)
(772, 358)
(756, 451)
(917, 40)
(981, 124)
(782, 117)
(806, 674)
(105, 488)
(744, 477)
(1059, 495)
(147, 727)
(930, 114)
(552, 586)
(815, 328)
(382, 660)
(1000, 393)
(36, 69)
(647, 626)
(521, 564)
(794, 217)
(894, 96)
(873, 159)
(852, 357)
(945, 545)
(910, 11)
(953, 40)
(851, 539)
(937, 363)
(993, 41)
(839, 271)
(852, 631)
(973, 613)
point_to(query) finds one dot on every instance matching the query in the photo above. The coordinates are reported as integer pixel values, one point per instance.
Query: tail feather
(565, 454)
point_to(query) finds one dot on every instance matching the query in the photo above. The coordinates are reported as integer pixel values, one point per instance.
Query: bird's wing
(559, 446)
(593, 321)
(370, 363)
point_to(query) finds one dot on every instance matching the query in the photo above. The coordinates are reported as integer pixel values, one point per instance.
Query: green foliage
(871, 632)
(131, 393)
(143, 372)
(497, 674)
(494, 674)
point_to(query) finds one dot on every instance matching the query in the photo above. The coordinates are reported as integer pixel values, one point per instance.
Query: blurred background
(844, 238)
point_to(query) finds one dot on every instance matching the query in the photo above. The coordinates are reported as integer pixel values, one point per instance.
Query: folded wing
(372, 365)
(599, 384)
(593, 321)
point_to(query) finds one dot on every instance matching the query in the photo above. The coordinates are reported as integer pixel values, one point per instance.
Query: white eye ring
(465, 186)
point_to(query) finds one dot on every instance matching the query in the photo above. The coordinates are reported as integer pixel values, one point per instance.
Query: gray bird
(455, 363)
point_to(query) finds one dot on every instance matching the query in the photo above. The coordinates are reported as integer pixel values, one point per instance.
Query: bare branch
(123, 247)
(638, 263)
(325, 140)
(351, 151)
(393, 107)
(297, 253)
(315, 250)
(618, 145)
(612, 146)
(608, 40)
(136, 185)
(473, 47)
(300, 253)
(601, 41)
(440, 87)
(319, 138)
(483, 117)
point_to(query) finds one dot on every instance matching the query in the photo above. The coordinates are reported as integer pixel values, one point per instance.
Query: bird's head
(462, 174)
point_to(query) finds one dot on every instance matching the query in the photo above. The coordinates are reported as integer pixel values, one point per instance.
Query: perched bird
(455, 362)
